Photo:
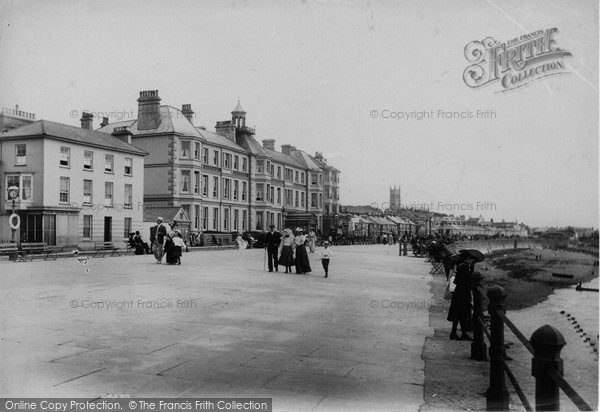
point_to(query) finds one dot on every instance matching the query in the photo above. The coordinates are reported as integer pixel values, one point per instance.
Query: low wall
(492, 245)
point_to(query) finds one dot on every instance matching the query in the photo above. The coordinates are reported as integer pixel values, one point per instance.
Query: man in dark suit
(272, 244)
(159, 241)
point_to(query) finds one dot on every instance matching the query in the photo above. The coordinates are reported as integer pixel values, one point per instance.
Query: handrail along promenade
(545, 345)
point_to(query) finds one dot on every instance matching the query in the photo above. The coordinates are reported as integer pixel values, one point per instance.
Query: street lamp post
(13, 193)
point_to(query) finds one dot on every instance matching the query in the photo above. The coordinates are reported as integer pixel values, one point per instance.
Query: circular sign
(14, 221)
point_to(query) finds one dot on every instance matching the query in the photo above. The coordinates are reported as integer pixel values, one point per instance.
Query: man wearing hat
(159, 241)
(273, 239)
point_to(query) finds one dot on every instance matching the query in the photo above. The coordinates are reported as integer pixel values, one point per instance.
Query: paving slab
(218, 325)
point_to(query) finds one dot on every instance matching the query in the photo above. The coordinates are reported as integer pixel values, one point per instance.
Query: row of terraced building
(221, 181)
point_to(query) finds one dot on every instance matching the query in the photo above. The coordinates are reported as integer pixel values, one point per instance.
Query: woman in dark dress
(170, 249)
(451, 261)
(460, 305)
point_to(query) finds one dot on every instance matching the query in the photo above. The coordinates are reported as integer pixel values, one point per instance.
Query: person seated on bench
(141, 247)
(131, 240)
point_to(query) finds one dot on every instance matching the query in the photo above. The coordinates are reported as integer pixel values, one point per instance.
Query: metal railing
(544, 345)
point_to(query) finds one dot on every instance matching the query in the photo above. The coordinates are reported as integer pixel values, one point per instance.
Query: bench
(9, 249)
(101, 248)
(128, 249)
(38, 248)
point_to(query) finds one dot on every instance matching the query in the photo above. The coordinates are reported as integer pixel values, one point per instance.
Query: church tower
(395, 202)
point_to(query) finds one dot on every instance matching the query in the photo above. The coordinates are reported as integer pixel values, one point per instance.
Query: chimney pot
(227, 129)
(269, 144)
(148, 110)
(186, 110)
(286, 149)
(104, 122)
(87, 121)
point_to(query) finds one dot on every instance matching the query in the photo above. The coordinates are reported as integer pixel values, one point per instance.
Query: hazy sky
(311, 74)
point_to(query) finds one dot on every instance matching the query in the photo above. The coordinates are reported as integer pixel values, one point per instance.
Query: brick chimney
(123, 134)
(186, 109)
(227, 129)
(104, 122)
(148, 110)
(269, 144)
(87, 121)
(286, 149)
(320, 159)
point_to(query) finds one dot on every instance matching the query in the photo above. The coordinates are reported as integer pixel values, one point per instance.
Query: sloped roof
(238, 108)
(359, 219)
(326, 166)
(172, 120)
(285, 159)
(59, 131)
(359, 210)
(308, 162)
(397, 220)
(168, 213)
(217, 139)
(250, 144)
(323, 165)
(380, 220)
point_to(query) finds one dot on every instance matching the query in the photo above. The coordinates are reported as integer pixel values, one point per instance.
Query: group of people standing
(289, 250)
(166, 240)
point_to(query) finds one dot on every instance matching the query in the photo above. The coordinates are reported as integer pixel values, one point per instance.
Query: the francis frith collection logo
(516, 62)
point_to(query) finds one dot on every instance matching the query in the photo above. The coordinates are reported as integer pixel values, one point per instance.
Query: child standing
(325, 256)
(179, 246)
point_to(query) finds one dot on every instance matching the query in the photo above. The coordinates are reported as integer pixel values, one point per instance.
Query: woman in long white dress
(286, 251)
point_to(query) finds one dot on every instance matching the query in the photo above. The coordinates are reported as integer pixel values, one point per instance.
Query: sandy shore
(528, 281)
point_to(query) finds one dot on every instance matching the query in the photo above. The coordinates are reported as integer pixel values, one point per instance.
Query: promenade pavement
(218, 325)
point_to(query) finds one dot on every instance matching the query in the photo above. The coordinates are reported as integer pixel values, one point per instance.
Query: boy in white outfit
(325, 256)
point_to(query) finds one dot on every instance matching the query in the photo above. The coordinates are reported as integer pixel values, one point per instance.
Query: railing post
(405, 249)
(496, 395)
(478, 346)
(547, 343)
